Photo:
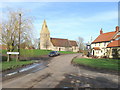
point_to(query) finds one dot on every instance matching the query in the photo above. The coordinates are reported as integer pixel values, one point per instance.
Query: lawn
(24, 53)
(14, 64)
(66, 52)
(30, 52)
(111, 64)
(36, 52)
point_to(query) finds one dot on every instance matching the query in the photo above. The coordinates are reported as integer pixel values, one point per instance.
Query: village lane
(56, 69)
(56, 72)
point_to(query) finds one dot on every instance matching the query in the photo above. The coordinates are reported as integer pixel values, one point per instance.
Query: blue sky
(70, 19)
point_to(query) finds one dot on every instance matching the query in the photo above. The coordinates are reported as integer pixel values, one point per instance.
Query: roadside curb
(73, 59)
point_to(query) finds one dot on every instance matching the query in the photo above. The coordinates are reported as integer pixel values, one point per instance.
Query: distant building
(88, 48)
(26, 46)
(107, 44)
(3, 47)
(56, 44)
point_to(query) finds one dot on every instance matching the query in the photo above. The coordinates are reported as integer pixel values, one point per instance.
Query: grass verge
(36, 52)
(14, 64)
(66, 52)
(24, 53)
(109, 64)
(30, 52)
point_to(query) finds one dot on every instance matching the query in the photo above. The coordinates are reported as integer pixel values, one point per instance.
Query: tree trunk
(16, 57)
(8, 59)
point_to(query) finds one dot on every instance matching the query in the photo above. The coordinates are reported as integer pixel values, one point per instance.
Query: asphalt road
(61, 73)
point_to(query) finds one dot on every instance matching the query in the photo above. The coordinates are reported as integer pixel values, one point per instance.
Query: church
(55, 44)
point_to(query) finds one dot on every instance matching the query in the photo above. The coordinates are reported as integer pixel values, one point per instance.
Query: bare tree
(37, 43)
(80, 43)
(10, 29)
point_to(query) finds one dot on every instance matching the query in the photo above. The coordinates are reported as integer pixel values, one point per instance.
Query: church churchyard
(55, 44)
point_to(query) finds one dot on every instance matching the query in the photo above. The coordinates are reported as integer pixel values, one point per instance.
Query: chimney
(117, 29)
(101, 32)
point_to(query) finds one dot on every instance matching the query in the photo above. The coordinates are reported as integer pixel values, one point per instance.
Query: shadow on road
(75, 81)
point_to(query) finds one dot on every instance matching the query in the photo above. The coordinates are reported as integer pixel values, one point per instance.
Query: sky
(70, 20)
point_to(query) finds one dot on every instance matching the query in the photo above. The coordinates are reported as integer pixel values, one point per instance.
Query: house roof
(116, 37)
(96, 48)
(73, 43)
(3, 47)
(63, 42)
(104, 37)
(115, 43)
(60, 42)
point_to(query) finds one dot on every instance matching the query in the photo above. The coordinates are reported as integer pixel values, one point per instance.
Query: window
(104, 54)
(104, 43)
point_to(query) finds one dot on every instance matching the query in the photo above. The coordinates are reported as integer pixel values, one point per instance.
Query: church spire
(45, 28)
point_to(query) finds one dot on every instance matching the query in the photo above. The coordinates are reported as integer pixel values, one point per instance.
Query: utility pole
(91, 40)
(19, 35)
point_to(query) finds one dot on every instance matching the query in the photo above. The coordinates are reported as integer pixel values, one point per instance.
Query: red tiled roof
(3, 47)
(116, 36)
(60, 42)
(96, 48)
(115, 43)
(73, 43)
(104, 37)
(63, 42)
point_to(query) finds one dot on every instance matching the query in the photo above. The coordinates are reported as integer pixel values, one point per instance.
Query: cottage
(107, 44)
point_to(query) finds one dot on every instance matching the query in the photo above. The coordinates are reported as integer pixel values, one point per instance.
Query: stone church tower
(55, 44)
(45, 37)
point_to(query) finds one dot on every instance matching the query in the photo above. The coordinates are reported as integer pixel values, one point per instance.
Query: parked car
(54, 53)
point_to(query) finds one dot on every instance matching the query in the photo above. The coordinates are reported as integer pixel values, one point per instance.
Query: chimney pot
(117, 28)
(101, 31)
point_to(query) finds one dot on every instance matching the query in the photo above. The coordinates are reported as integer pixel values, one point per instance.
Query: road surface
(60, 70)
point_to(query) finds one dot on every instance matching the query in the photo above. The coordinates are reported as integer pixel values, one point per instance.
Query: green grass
(67, 52)
(24, 53)
(36, 52)
(14, 64)
(111, 64)
(31, 52)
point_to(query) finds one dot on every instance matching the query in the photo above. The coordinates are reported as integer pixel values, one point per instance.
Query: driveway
(60, 70)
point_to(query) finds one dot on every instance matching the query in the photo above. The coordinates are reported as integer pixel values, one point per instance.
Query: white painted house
(106, 43)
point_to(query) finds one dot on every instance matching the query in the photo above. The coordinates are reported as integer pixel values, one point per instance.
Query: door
(59, 49)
